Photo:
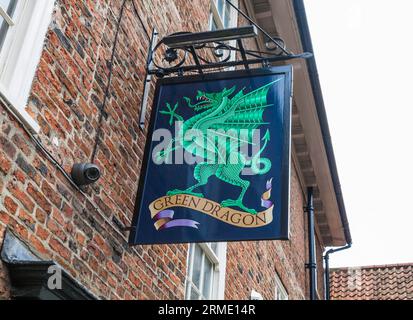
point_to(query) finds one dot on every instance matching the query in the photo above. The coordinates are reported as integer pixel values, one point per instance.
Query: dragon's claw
(237, 203)
(171, 112)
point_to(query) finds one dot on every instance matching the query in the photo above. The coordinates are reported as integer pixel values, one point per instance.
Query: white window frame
(215, 16)
(21, 55)
(219, 262)
(280, 291)
(6, 17)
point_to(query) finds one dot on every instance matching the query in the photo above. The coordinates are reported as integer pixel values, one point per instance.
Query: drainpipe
(311, 265)
(327, 269)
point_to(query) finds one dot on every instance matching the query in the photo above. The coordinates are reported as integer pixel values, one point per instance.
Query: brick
(67, 210)
(59, 248)
(102, 245)
(4, 217)
(39, 198)
(22, 144)
(51, 194)
(38, 246)
(7, 147)
(56, 229)
(41, 216)
(26, 219)
(21, 197)
(25, 166)
(80, 238)
(5, 164)
(82, 268)
(19, 175)
(10, 205)
(42, 233)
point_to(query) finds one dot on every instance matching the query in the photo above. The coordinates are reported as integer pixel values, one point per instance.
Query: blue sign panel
(217, 160)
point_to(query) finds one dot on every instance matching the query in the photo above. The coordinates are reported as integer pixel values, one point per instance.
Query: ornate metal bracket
(186, 52)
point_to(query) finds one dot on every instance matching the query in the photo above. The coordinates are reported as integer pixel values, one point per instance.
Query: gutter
(307, 45)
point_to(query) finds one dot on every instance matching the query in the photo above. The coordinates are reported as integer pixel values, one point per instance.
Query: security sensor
(256, 296)
(85, 173)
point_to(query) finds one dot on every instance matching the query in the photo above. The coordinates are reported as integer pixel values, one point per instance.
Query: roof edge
(382, 266)
(307, 45)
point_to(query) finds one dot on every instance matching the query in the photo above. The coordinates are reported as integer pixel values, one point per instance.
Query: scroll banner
(163, 216)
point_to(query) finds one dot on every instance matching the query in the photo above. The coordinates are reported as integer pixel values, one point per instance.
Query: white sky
(364, 54)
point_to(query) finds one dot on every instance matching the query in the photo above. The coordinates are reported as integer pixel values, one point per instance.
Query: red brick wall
(81, 231)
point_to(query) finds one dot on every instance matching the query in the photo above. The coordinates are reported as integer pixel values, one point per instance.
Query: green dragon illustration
(218, 111)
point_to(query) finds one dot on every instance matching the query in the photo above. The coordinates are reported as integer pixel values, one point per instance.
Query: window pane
(207, 279)
(196, 272)
(220, 7)
(9, 6)
(188, 290)
(5, 4)
(227, 19)
(214, 25)
(194, 295)
(191, 251)
(3, 31)
(214, 247)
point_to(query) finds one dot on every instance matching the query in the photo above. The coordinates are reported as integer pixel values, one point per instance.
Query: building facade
(70, 95)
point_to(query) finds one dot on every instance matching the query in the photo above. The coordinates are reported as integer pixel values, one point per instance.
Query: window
(280, 292)
(24, 24)
(256, 295)
(223, 15)
(206, 271)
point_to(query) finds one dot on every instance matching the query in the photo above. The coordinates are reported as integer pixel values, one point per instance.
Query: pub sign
(216, 164)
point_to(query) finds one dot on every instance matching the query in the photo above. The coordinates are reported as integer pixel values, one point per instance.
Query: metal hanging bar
(196, 59)
(148, 79)
(243, 54)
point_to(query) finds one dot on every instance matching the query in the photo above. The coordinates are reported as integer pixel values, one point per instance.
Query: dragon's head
(209, 100)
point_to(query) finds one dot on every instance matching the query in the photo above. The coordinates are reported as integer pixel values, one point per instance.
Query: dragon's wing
(246, 111)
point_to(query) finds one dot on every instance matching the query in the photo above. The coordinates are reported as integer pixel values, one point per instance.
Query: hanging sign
(216, 165)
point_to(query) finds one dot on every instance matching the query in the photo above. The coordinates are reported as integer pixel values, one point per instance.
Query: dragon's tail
(257, 161)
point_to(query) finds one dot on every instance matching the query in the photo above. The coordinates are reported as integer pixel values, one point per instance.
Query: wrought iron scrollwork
(214, 55)
(211, 54)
